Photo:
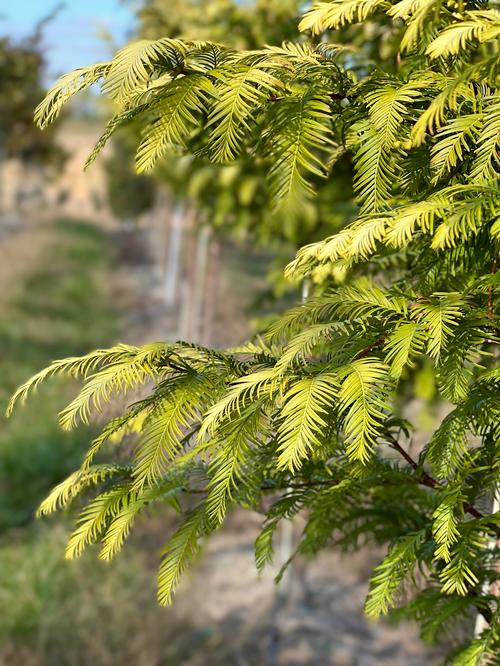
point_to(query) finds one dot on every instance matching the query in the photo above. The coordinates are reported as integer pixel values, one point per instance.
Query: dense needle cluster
(309, 413)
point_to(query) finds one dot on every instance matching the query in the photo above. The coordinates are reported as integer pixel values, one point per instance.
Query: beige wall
(27, 190)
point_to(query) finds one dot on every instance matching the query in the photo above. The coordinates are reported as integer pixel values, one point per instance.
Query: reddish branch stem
(427, 480)
(365, 352)
(490, 292)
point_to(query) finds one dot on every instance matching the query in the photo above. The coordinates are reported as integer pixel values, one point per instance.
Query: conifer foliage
(309, 413)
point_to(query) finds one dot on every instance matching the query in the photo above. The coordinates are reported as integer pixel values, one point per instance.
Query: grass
(60, 613)
(60, 306)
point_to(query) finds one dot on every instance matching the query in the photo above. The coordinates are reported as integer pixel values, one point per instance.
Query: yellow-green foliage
(309, 412)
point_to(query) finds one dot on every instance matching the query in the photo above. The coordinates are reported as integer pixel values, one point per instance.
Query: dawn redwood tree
(310, 412)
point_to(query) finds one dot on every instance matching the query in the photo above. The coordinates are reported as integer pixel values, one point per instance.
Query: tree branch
(490, 292)
(365, 352)
(426, 480)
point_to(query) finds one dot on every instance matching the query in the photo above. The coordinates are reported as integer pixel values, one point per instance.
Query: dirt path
(237, 618)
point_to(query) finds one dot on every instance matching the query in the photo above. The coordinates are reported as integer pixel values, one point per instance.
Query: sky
(75, 37)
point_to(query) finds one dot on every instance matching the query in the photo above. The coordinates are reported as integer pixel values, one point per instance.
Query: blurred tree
(235, 198)
(244, 25)
(21, 76)
(21, 87)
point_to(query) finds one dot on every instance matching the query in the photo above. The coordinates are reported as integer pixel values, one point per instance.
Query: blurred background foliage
(129, 194)
(21, 71)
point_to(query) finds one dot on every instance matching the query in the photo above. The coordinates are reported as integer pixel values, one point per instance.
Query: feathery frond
(241, 92)
(177, 111)
(181, 549)
(66, 491)
(67, 86)
(133, 65)
(391, 572)
(483, 26)
(333, 15)
(304, 418)
(362, 397)
(300, 128)
(182, 401)
(94, 519)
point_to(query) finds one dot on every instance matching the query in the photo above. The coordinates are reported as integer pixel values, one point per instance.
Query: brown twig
(426, 480)
(490, 291)
(367, 350)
